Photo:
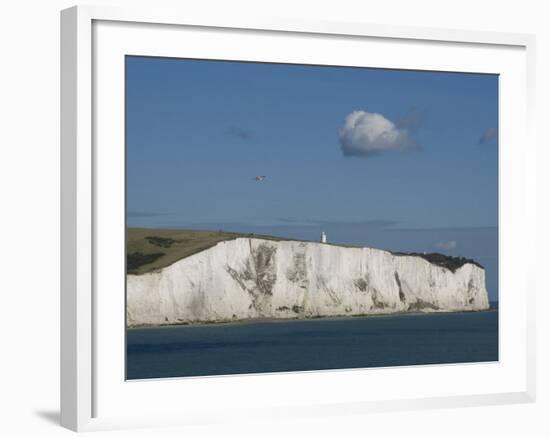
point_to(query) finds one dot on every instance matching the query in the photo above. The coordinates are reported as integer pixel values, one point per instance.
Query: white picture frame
(92, 391)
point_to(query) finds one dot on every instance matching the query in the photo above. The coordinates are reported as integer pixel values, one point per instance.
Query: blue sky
(402, 160)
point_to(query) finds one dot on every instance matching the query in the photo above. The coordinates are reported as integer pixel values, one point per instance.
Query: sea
(314, 344)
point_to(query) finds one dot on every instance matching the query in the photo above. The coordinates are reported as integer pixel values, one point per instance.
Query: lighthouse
(323, 237)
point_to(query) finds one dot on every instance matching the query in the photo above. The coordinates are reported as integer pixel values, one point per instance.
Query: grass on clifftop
(152, 249)
(453, 263)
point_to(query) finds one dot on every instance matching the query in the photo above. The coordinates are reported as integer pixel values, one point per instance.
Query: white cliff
(250, 278)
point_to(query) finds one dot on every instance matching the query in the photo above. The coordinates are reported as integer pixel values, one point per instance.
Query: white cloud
(369, 133)
(446, 245)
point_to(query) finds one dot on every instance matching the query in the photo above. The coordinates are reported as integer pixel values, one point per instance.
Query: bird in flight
(258, 178)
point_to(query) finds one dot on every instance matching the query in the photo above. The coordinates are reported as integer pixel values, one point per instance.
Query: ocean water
(279, 346)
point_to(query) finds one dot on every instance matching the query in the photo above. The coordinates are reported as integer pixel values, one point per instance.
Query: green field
(152, 249)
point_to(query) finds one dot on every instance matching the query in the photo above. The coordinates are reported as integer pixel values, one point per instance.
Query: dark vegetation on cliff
(135, 260)
(151, 249)
(453, 263)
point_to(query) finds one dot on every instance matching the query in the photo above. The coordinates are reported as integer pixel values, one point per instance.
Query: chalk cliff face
(251, 278)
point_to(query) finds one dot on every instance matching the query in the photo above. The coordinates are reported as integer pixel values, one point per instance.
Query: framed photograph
(271, 218)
